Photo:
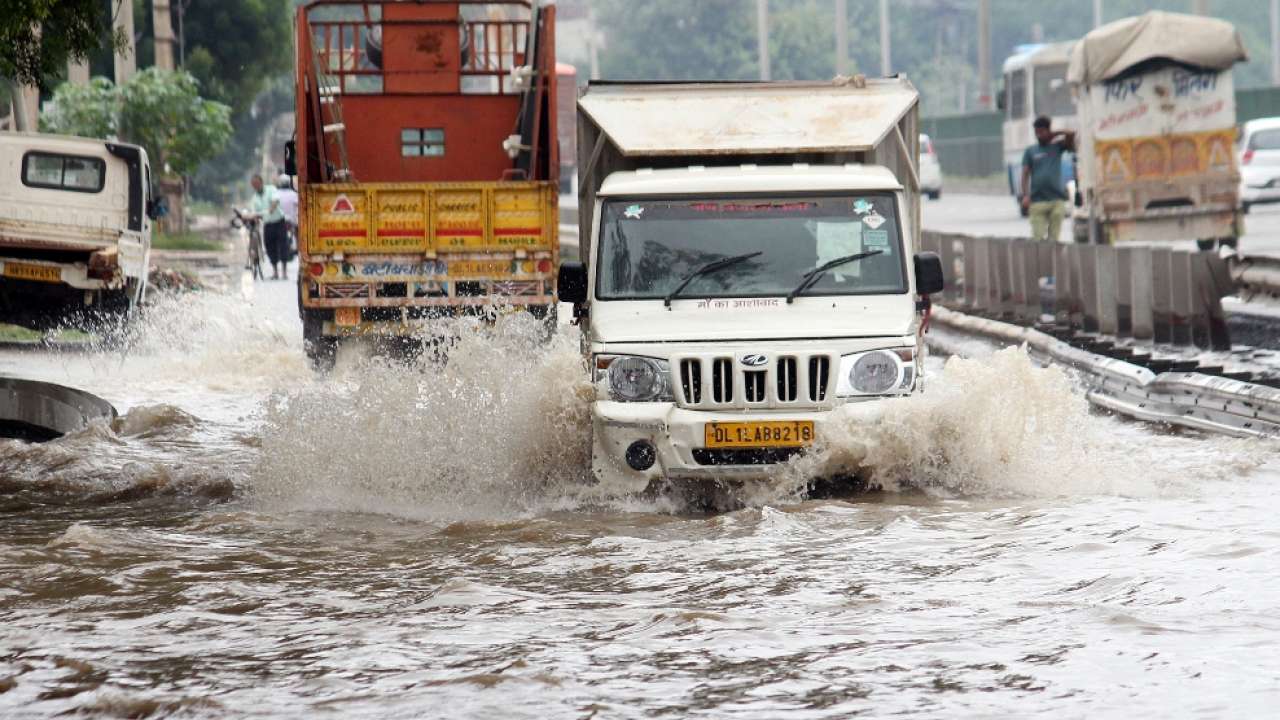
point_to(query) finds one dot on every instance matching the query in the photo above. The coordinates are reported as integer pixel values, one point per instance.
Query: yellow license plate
(479, 268)
(785, 433)
(347, 317)
(39, 273)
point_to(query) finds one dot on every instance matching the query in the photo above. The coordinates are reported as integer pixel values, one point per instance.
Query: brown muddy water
(417, 542)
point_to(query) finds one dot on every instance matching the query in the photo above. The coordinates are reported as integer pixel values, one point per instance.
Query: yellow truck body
(402, 247)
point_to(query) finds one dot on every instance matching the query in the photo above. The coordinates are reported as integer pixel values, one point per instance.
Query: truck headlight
(635, 379)
(879, 372)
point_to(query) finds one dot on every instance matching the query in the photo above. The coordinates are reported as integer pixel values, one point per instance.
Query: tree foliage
(37, 37)
(161, 111)
(91, 110)
(235, 47)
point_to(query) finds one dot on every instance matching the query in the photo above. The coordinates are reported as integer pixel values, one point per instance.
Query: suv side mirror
(929, 277)
(158, 208)
(291, 158)
(571, 283)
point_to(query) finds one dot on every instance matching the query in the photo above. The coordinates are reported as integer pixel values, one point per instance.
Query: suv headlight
(879, 372)
(631, 378)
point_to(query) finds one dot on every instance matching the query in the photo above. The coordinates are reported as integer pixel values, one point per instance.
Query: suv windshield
(648, 246)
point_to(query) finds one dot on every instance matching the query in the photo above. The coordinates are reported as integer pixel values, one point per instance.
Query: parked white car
(1259, 148)
(930, 170)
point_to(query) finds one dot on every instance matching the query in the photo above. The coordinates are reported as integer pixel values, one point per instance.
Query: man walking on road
(265, 206)
(1043, 194)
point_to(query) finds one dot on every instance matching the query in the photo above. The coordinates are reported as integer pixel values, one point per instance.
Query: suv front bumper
(678, 438)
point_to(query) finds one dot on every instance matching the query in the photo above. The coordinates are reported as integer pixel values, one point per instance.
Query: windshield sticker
(874, 220)
(876, 238)
(861, 206)
(633, 212)
(837, 240)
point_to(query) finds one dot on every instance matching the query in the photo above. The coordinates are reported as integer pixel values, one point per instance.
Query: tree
(91, 110)
(234, 47)
(37, 37)
(679, 40)
(159, 110)
(163, 112)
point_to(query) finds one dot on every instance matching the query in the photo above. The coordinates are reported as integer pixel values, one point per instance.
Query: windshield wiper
(710, 267)
(815, 274)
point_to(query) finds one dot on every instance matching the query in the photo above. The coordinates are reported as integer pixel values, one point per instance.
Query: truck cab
(75, 226)
(730, 308)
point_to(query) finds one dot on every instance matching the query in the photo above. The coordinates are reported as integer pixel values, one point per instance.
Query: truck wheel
(935, 194)
(1205, 245)
(1244, 208)
(322, 350)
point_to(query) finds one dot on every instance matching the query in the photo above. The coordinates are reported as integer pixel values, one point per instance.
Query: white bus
(1034, 84)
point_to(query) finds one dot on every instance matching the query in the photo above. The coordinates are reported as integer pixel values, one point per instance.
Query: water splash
(487, 432)
(1001, 425)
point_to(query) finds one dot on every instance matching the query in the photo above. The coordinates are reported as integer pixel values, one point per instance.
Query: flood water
(413, 542)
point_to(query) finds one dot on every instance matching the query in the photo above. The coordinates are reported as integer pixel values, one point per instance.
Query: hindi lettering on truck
(417, 199)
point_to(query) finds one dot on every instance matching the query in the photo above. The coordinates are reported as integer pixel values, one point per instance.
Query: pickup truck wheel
(322, 350)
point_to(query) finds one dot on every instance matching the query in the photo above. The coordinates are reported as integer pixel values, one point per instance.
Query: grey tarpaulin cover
(1115, 47)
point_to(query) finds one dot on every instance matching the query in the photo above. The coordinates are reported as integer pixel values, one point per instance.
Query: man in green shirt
(265, 206)
(1043, 194)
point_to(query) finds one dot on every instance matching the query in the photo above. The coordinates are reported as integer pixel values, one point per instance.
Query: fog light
(641, 455)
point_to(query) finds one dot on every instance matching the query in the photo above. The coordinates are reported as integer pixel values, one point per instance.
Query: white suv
(1259, 149)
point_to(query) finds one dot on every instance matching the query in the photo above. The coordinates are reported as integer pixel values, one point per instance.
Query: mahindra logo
(754, 360)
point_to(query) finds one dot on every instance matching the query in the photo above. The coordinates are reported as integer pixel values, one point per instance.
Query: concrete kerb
(1190, 400)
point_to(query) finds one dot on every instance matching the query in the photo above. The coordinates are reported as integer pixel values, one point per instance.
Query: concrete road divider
(39, 411)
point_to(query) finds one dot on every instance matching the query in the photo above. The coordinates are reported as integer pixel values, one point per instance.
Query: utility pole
(886, 52)
(984, 54)
(842, 37)
(126, 60)
(1275, 42)
(593, 43)
(762, 36)
(78, 72)
(1097, 13)
(162, 21)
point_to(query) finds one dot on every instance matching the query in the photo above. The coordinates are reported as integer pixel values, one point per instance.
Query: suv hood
(617, 321)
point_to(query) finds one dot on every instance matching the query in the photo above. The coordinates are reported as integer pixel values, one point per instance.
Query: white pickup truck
(75, 227)
(749, 266)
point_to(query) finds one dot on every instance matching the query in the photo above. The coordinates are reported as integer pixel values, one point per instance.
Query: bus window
(1017, 94)
(1053, 96)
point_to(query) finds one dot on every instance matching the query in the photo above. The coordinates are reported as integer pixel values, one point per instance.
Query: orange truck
(427, 164)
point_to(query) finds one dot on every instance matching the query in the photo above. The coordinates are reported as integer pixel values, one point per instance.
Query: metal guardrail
(1146, 293)
(1185, 399)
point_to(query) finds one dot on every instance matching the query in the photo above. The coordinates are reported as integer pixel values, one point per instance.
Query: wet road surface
(413, 542)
